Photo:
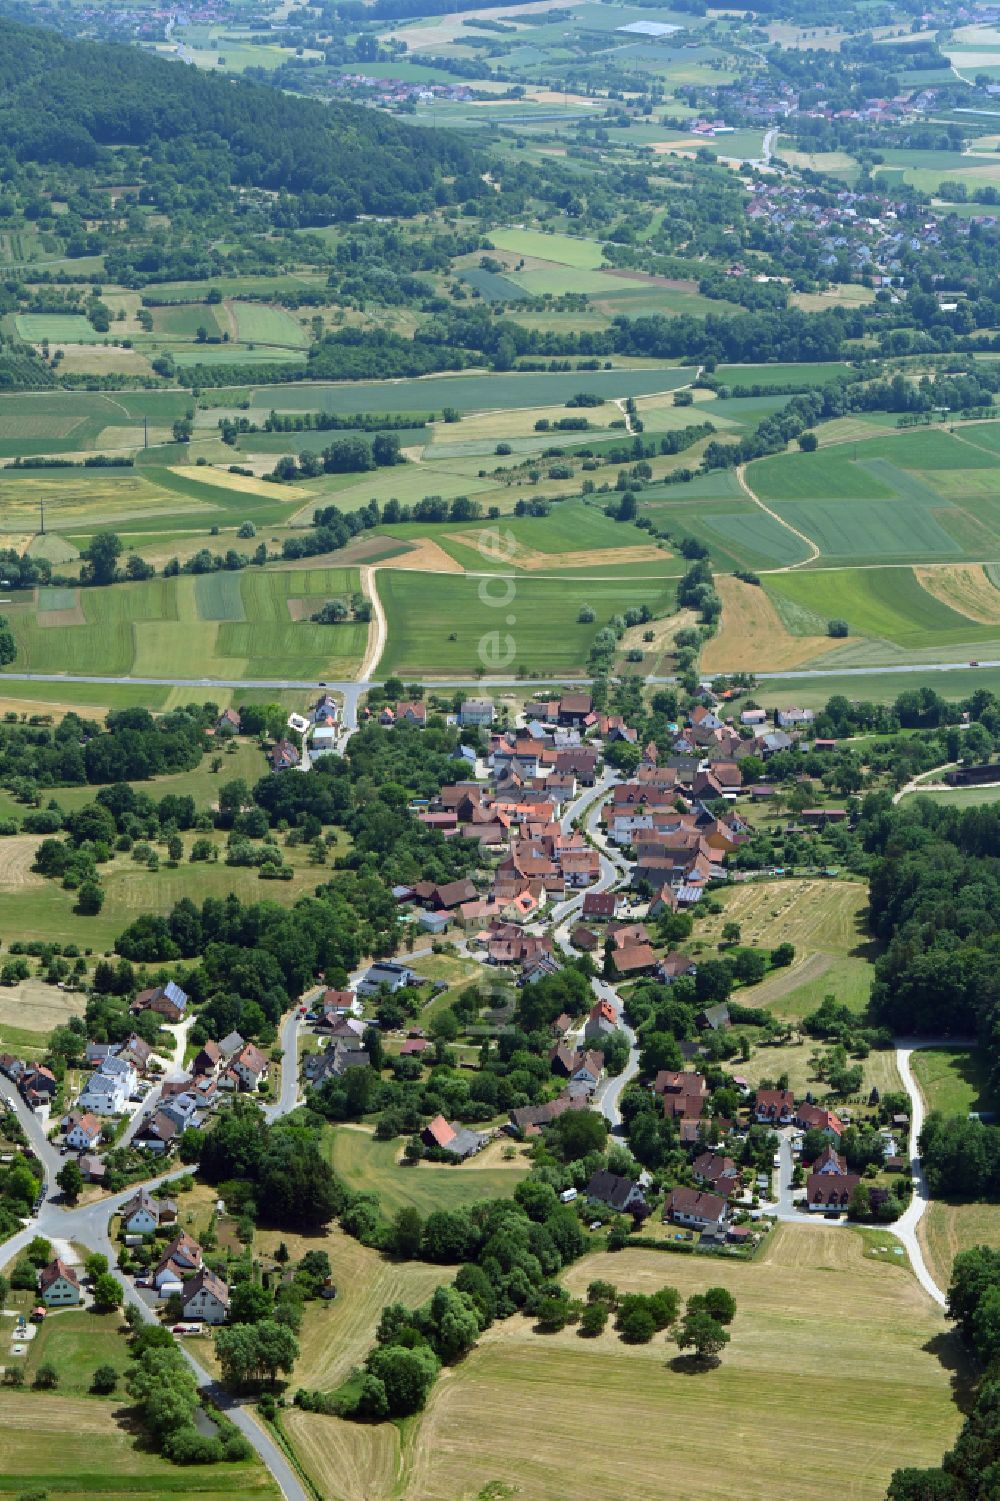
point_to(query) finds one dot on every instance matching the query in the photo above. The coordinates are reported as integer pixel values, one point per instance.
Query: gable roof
(440, 1132)
(56, 1269)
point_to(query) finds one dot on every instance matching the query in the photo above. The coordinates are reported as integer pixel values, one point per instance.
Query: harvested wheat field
(813, 1304)
(36, 1007)
(965, 587)
(752, 635)
(345, 1461)
(221, 479)
(17, 854)
(423, 557)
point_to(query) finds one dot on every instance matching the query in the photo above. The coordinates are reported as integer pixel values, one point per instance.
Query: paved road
(289, 1097)
(609, 1092)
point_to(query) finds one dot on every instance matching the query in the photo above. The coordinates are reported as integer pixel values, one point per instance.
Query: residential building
(696, 1208)
(249, 1065)
(616, 1192)
(143, 1214)
(206, 1297)
(59, 1285)
(85, 1134)
(830, 1192)
(476, 712)
(169, 1001)
(774, 1107)
(389, 974)
(815, 1118)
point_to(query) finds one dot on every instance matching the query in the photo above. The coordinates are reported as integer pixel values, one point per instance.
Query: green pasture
(565, 250)
(182, 320)
(448, 623)
(258, 323)
(885, 603)
(818, 374)
(953, 1080)
(236, 354)
(57, 328)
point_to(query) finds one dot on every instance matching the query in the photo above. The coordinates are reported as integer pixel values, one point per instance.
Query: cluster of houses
(337, 1021)
(180, 1267)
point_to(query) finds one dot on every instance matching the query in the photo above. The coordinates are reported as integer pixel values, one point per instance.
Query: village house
(695, 1208)
(206, 1297)
(249, 1066)
(387, 973)
(143, 1214)
(476, 712)
(59, 1285)
(717, 1172)
(618, 1193)
(84, 1134)
(774, 1107)
(168, 1001)
(815, 1118)
(603, 1019)
(284, 756)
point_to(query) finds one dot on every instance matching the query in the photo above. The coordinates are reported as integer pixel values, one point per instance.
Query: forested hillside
(69, 102)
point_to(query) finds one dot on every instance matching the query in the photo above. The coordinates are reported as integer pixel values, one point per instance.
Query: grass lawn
(76, 1342)
(952, 1080)
(366, 1164)
(792, 993)
(813, 1304)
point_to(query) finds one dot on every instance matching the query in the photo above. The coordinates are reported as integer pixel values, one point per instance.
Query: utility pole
(145, 432)
(41, 507)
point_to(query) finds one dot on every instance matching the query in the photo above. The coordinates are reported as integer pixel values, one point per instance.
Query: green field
(223, 625)
(953, 1080)
(183, 320)
(445, 623)
(258, 323)
(58, 328)
(371, 1166)
(64, 421)
(468, 393)
(916, 496)
(885, 603)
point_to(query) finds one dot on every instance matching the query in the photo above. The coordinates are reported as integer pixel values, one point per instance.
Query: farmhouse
(457, 1140)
